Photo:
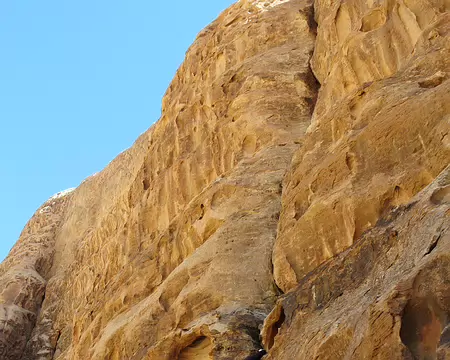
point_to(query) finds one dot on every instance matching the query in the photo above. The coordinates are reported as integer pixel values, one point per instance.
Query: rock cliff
(294, 195)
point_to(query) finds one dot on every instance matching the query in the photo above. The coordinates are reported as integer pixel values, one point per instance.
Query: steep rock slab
(167, 252)
(371, 146)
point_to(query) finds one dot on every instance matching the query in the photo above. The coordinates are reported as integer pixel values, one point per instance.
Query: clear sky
(79, 81)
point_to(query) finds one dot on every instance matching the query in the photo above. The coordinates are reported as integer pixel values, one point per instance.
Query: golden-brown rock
(256, 182)
(372, 148)
(386, 297)
(167, 252)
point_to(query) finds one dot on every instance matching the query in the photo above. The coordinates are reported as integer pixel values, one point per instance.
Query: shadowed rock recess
(293, 196)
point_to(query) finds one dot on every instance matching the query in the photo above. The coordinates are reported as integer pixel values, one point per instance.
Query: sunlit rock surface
(293, 196)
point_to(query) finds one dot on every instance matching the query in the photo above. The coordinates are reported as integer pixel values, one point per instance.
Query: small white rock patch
(266, 5)
(61, 194)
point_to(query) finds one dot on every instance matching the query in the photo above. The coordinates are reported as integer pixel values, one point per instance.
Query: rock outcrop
(294, 195)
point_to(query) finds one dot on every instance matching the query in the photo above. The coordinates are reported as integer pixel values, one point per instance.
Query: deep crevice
(433, 244)
(309, 78)
(275, 329)
(257, 356)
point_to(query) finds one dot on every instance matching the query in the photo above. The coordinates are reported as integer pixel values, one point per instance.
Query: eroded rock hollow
(294, 196)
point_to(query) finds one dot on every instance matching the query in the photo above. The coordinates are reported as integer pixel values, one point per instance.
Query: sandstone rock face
(386, 297)
(23, 276)
(375, 140)
(293, 195)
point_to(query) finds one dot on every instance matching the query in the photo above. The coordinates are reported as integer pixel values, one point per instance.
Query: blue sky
(79, 81)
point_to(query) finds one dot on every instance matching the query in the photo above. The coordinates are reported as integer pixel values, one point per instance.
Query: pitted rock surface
(294, 195)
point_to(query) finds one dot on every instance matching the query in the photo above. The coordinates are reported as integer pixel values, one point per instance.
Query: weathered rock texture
(302, 149)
